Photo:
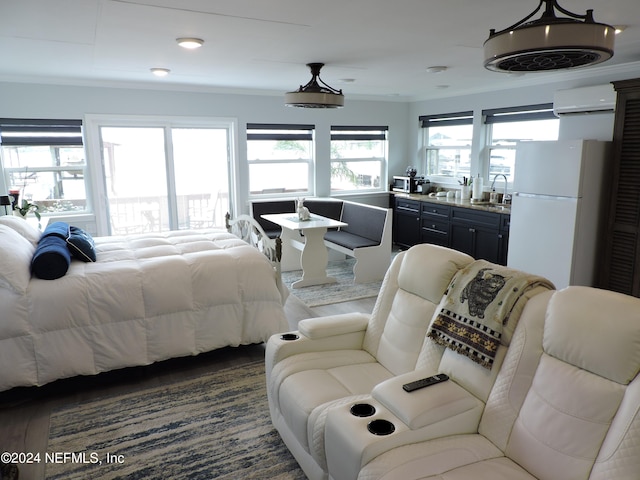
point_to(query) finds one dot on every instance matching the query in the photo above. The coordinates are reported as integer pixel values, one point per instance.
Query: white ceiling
(371, 48)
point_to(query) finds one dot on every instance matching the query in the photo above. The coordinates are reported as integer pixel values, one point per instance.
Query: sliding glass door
(201, 176)
(165, 177)
(136, 179)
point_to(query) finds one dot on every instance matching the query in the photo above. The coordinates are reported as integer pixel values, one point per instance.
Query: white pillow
(15, 260)
(23, 227)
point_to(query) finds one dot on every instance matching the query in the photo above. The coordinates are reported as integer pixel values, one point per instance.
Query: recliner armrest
(426, 406)
(333, 332)
(332, 325)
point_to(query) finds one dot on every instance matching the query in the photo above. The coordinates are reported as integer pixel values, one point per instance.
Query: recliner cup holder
(381, 427)
(362, 410)
(289, 336)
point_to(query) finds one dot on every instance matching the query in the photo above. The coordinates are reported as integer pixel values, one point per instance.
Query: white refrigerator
(557, 210)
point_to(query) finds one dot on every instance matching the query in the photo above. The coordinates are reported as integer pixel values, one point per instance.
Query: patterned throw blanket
(477, 305)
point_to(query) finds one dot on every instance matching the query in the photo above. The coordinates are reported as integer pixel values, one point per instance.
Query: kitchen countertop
(485, 206)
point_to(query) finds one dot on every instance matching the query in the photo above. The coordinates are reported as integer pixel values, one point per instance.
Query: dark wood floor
(25, 412)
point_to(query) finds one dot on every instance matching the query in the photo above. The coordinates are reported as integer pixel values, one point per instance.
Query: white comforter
(147, 298)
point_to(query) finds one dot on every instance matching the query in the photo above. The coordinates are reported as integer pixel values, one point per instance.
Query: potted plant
(22, 208)
(25, 207)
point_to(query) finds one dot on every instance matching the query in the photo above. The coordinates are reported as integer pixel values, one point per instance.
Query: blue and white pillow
(81, 244)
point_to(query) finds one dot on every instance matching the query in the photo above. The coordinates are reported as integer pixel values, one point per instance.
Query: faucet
(504, 196)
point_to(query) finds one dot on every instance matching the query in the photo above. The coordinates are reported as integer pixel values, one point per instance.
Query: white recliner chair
(338, 359)
(565, 405)
(332, 363)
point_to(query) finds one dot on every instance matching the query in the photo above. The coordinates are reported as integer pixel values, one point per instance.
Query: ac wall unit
(599, 98)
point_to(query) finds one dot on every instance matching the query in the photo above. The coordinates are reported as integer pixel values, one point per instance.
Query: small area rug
(215, 426)
(342, 291)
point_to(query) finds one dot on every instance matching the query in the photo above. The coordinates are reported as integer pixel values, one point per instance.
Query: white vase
(18, 214)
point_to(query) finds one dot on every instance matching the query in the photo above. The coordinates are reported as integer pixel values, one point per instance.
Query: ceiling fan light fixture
(316, 93)
(550, 42)
(190, 43)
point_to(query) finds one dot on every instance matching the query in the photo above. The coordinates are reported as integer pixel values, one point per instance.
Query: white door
(542, 236)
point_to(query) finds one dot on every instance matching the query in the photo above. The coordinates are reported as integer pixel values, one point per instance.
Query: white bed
(147, 298)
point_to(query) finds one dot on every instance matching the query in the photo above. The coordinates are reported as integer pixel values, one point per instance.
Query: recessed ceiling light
(189, 42)
(160, 72)
(436, 69)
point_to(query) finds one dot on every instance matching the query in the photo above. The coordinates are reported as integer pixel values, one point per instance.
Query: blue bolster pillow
(51, 259)
(59, 229)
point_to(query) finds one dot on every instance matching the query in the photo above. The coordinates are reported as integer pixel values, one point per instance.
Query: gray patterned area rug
(344, 290)
(210, 427)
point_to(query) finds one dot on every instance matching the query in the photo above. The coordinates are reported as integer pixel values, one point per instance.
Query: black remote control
(425, 382)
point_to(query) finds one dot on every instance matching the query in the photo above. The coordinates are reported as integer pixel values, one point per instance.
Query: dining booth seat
(367, 237)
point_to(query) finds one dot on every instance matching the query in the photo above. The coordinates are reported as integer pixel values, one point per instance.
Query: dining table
(307, 237)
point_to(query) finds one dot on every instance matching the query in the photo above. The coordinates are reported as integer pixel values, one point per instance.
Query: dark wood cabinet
(406, 222)
(505, 221)
(478, 233)
(434, 222)
(620, 268)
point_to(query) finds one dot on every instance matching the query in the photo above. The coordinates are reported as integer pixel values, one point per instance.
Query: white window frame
(525, 113)
(44, 133)
(351, 132)
(279, 131)
(93, 124)
(444, 120)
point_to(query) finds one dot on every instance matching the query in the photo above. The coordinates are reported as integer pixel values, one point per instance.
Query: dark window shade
(446, 119)
(542, 111)
(356, 128)
(25, 131)
(359, 133)
(280, 131)
(356, 133)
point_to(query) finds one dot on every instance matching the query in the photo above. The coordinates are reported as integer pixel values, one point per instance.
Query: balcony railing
(130, 215)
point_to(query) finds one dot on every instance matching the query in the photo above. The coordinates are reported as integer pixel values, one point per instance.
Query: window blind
(446, 119)
(25, 131)
(271, 131)
(542, 111)
(351, 132)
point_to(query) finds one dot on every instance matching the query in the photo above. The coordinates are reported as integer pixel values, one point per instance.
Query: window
(280, 159)
(358, 158)
(44, 162)
(509, 126)
(447, 142)
(162, 174)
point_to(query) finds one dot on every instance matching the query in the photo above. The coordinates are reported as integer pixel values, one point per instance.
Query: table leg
(314, 259)
(292, 244)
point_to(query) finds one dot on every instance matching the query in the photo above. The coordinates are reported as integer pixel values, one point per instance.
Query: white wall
(592, 126)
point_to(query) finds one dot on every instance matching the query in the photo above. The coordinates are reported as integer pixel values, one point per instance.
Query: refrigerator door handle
(536, 195)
